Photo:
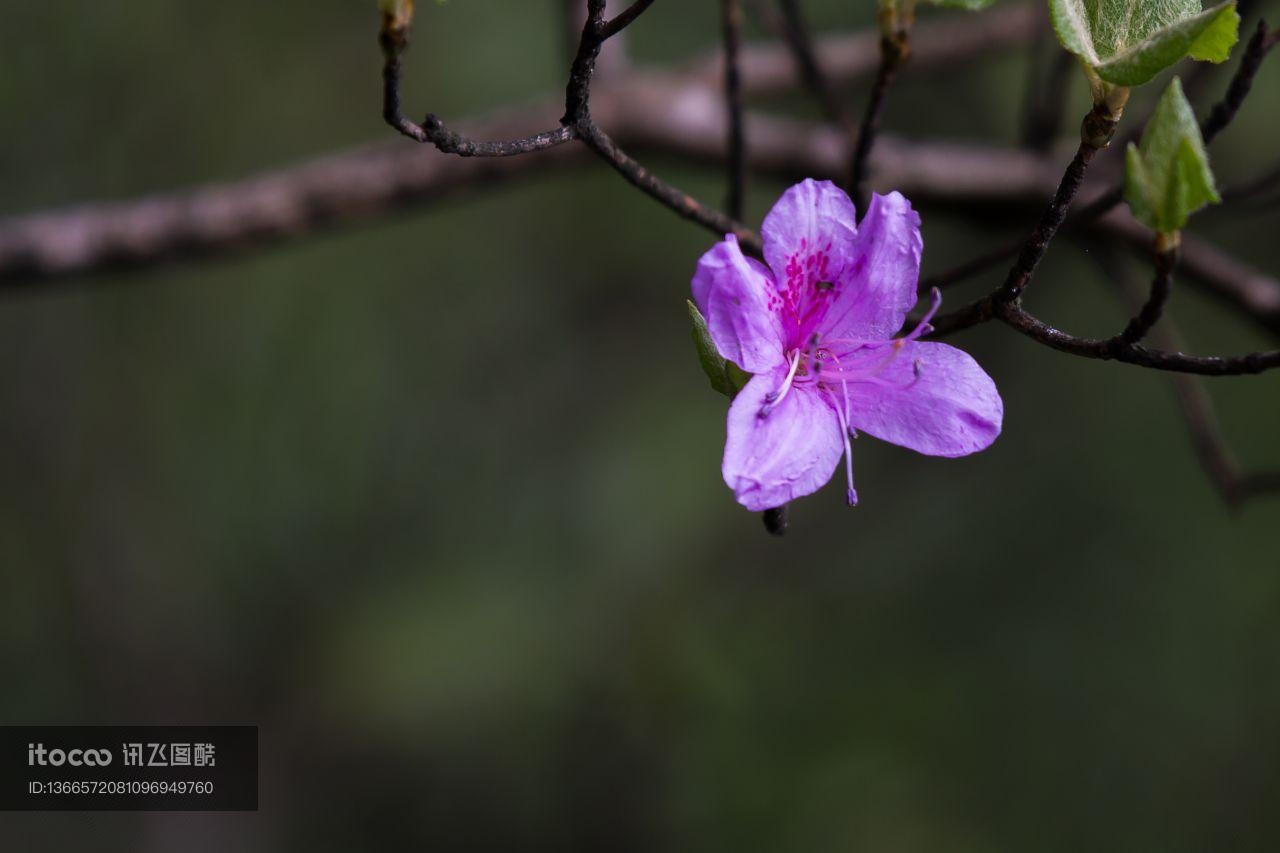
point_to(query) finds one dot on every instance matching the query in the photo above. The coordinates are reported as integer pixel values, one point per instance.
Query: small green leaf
(726, 377)
(1209, 36)
(1167, 176)
(1216, 40)
(1127, 42)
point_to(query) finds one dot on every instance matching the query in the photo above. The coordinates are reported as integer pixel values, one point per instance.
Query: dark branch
(893, 52)
(356, 185)
(1095, 134)
(624, 19)
(1166, 259)
(1241, 82)
(795, 32)
(985, 309)
(1196, 406)
(731, 12)
(1046, 93)
(684, 205)
(970, 268)
(394, 39)
(1106, 349)
(578, 113)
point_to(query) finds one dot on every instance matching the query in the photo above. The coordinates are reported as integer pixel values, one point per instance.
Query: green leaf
(726, 377)
(1127, 42)
(1167, 176)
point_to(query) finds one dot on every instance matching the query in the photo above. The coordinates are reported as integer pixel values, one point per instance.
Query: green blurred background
(436, 501)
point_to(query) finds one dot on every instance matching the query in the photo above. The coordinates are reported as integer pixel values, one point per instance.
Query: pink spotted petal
(932, 398)
(878, 287)
(735, 295)
(812, 216)
(792, 452)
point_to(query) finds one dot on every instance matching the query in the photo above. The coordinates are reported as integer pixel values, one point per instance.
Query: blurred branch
(370, 182)
(795, 32)
(895, 48)
(672, 111)
(942, 43)
(731, 15)
(1260, 44)
(658, 111)
(1196, 406)
(1046, 95)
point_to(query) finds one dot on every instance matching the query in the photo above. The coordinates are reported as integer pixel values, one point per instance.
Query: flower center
(833, 364)
(809, 289)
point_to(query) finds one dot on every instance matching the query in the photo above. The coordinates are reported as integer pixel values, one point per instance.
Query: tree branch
(669, 114)
(658, 111)
(1166, 259)
(1260, 44)
(1196, 406)
(394, 39)
(731, 15)
(795, 32)
(1106, 349)
(894, 50)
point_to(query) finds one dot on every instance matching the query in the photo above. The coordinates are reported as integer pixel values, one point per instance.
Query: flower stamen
(923, 328)
(774, 398)
(851, 494)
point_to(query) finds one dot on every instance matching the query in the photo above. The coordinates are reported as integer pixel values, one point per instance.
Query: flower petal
(735, 294)
(932, 398)
(808, 217)
(878, 287)
(791, 452)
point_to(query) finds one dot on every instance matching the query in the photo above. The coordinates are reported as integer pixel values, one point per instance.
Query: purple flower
(816, 327)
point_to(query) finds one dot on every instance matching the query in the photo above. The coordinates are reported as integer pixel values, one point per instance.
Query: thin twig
(970, 268)
(1016, 317)
(1166, 259)
(338, 190)
(352, 186)
(1260, 44)
(683, 204)
(1208, 441)
(578, 113)
(1046, 99)
(796, 34)
(1096, 133)
(731, 11)
(394, 39)
(893, 52)
(624, 19)
(1253, 188)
